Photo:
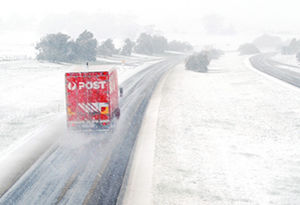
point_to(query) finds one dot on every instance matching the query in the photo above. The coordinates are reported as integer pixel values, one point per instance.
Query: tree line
(291, 47)
(61, 48)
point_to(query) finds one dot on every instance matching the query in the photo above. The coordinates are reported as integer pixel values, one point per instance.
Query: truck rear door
(87, 95)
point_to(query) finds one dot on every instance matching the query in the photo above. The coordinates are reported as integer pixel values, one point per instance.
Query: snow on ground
(230, 136)
(133, 60)
(9, 51)
(286, 59)
(32, 94)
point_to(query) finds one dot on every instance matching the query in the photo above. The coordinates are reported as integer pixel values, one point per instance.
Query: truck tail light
(104, 110)
(70, 111)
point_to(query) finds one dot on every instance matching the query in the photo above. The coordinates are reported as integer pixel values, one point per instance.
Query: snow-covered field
(229, 136)
(11, 52)
(32, 95)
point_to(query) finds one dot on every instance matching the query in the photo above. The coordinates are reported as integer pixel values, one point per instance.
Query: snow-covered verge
(229, 136)
(137, 185)
(286, 59)
(31, 94)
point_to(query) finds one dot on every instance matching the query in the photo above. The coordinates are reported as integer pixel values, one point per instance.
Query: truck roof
(103, 69)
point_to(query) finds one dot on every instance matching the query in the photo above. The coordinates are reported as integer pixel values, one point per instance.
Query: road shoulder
(139, 183)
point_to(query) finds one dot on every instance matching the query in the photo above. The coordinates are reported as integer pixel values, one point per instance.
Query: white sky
(154, 10)
(169, 16)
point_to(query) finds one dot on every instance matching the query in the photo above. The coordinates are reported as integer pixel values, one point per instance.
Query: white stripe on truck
(84, 109)
(92, 107)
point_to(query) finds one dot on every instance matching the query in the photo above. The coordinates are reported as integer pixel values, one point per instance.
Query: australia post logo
(88, 85)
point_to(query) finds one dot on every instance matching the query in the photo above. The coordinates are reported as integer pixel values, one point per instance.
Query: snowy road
(88, 168)
(285, 72)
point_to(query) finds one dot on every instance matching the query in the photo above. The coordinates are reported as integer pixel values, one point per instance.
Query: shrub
(127, 48)
(86, 46)
(144, 44)
(147, 44)
(197, 62)
(54, 48)
(107, 48)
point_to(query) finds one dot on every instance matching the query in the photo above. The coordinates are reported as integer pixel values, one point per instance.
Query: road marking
(67, 187)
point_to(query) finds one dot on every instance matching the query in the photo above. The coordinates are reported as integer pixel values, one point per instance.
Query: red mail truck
(92, 99)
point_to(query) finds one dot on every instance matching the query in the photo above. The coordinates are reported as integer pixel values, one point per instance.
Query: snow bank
(139, 185)
(229, 136)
